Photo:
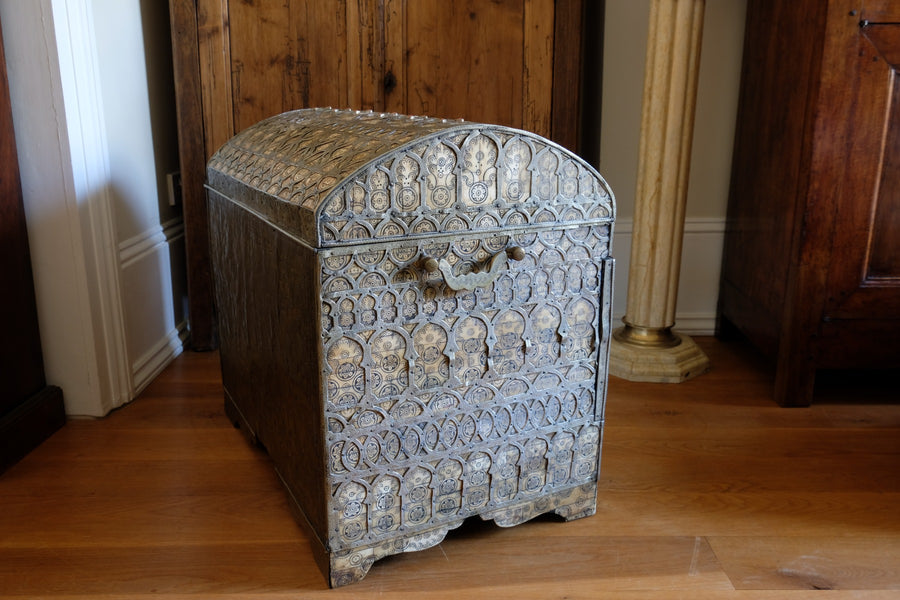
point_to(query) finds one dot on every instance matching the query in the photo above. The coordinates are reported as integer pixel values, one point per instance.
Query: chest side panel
(266, 292)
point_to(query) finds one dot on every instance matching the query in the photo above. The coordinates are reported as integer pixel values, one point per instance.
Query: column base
(656, 363)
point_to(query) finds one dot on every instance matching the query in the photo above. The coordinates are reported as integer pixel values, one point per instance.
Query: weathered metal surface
(463, 304)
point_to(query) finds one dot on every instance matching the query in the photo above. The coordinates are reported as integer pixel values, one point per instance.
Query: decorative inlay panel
(482, 396)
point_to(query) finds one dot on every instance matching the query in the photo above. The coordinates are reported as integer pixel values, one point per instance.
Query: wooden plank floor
(707, 491)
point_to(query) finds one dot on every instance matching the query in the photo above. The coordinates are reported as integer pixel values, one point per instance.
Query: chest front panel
(441, 403)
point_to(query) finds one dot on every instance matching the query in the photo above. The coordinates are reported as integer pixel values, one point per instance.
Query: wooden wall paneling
(286, 56)
(394, 31)
(321, 32)
(464, 60)
(265, 70)
(365, 54)
(538, 57)
(214, 52)
(591, 96)
(192, 157)
(568, 62)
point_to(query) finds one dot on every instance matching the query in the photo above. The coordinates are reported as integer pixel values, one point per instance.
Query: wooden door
(509, 62)
(30, 410)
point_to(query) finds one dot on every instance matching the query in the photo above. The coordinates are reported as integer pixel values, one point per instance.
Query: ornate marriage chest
(414, 318)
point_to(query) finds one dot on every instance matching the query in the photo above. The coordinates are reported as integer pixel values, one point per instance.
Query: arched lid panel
(333, 177)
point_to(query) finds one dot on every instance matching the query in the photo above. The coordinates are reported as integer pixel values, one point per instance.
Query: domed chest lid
(334, 178)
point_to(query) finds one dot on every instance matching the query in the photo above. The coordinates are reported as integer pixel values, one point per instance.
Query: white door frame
(64, 165)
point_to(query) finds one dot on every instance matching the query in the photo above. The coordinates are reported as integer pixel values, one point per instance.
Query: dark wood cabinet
(508, 62)
(811, 266)
(30, 410)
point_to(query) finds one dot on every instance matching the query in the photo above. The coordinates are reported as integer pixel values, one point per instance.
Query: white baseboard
(696, 323)
(151, 364)
(698, 286)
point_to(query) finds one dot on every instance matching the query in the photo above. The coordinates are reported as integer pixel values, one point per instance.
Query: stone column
(647, 349)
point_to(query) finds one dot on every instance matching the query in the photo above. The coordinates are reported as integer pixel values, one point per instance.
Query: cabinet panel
(880, 11)
(854, 166)
(884, 259)
(810, 270)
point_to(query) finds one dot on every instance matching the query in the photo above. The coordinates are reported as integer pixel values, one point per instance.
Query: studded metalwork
(463, 291)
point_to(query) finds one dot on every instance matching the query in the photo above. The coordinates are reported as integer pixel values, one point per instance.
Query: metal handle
(470, 281)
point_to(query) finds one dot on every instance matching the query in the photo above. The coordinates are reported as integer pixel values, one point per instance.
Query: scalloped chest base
(424, 341)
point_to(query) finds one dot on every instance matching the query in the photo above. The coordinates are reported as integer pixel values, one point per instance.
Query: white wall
(624, 53)
(105, 328)
(148, 232)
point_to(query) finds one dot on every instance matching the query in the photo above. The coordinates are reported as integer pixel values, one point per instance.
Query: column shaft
(667, 124)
